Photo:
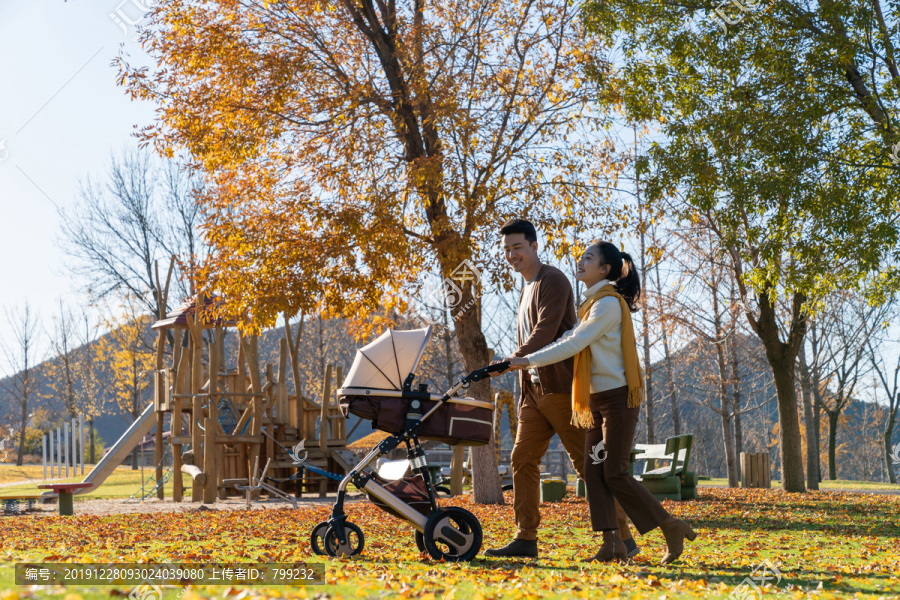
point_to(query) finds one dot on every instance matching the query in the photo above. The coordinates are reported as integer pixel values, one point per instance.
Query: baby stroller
(379, 387)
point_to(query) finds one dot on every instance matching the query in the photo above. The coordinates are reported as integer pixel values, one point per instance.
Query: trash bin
(553, 490)
(580, 488)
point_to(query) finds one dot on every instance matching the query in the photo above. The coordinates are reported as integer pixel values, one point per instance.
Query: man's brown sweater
(551, 314)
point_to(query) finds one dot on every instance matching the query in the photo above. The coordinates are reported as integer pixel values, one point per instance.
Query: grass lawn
(827, 485)
(12, 473)
(824, 545)
(122, 483)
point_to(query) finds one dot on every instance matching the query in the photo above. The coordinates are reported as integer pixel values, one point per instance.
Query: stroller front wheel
(453, 534)
(317, 539)
(355, 541)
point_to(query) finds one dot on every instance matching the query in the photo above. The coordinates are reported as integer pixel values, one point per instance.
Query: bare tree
(888, 377)
(736, 402)
(60, 371)
(20, 355)
(92, 392)
(701, 309)
(810, 408)
(119, 228)
(664, 327)
(847, 323)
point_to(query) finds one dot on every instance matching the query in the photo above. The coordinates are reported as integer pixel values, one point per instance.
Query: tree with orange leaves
(354, 146)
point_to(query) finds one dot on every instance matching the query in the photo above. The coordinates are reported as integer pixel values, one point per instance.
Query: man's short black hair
(520, 226)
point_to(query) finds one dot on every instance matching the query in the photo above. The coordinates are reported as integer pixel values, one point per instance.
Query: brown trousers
(610, 479)
(541, 416)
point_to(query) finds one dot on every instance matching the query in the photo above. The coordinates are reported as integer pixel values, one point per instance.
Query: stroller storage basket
(458, 422)
(410, 490)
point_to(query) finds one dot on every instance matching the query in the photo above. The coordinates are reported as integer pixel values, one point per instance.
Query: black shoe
(516, 548)
(632, 547)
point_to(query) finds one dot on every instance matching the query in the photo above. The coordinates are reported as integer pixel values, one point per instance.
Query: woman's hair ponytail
(622, 273)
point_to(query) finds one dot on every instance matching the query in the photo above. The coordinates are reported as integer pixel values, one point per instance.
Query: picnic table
(65, 492)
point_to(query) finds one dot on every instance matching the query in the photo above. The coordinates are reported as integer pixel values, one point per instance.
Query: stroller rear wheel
(355, 541)
(420, 541)
(317, 539)
(452, 534)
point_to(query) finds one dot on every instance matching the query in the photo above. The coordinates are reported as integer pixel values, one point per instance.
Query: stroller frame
(454, 528)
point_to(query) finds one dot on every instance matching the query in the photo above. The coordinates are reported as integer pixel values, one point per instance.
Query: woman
(607, 390)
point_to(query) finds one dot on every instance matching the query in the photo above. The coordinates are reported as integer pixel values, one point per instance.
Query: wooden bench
(12, 505)
(65, 491)
(671, 480)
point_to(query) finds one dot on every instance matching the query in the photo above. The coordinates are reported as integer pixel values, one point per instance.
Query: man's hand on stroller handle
(495, 368)
(499, 367)
(517, 363)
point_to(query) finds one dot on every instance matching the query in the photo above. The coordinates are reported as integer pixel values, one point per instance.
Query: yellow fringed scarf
(581, 381)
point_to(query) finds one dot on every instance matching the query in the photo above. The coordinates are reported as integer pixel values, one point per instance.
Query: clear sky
(61, 115)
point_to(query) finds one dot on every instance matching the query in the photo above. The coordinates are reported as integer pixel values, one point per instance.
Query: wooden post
(222, 471)
(293, 346)
(196, 348)
(160, 423)
(210, 448)
(252, 356)
(242, 364)
(755, 470)
(161, 381)
(323, 428)
(175, 428)
(323, 418)
(340, 421)
(281, 392)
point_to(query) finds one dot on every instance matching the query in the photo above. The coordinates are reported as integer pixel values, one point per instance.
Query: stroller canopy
(387, 361)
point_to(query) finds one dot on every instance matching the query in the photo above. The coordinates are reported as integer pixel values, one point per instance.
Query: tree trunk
(670, 380)
(648, 383)
(736, 397)
(727, 411)
(889, 452)
(782, 359)
(833, 416)
(789, 426)
(24, 423)
(673, 395)
(812, 456)
(91, 433)
(474, 350)
(730, 462)
(815, 384)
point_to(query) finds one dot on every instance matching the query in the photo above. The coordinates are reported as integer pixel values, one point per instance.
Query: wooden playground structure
(227, 420)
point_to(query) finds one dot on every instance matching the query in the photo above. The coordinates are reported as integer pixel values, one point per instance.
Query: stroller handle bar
(485, 372)
(476, 375)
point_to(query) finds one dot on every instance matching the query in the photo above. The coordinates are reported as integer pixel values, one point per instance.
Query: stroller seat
(378, 388)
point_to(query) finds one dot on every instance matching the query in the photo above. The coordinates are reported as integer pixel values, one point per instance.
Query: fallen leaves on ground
(823, 545)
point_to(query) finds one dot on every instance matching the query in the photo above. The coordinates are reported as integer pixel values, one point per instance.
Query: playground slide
(120, 450)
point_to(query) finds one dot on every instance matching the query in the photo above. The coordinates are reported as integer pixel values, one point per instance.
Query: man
(546, 311)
